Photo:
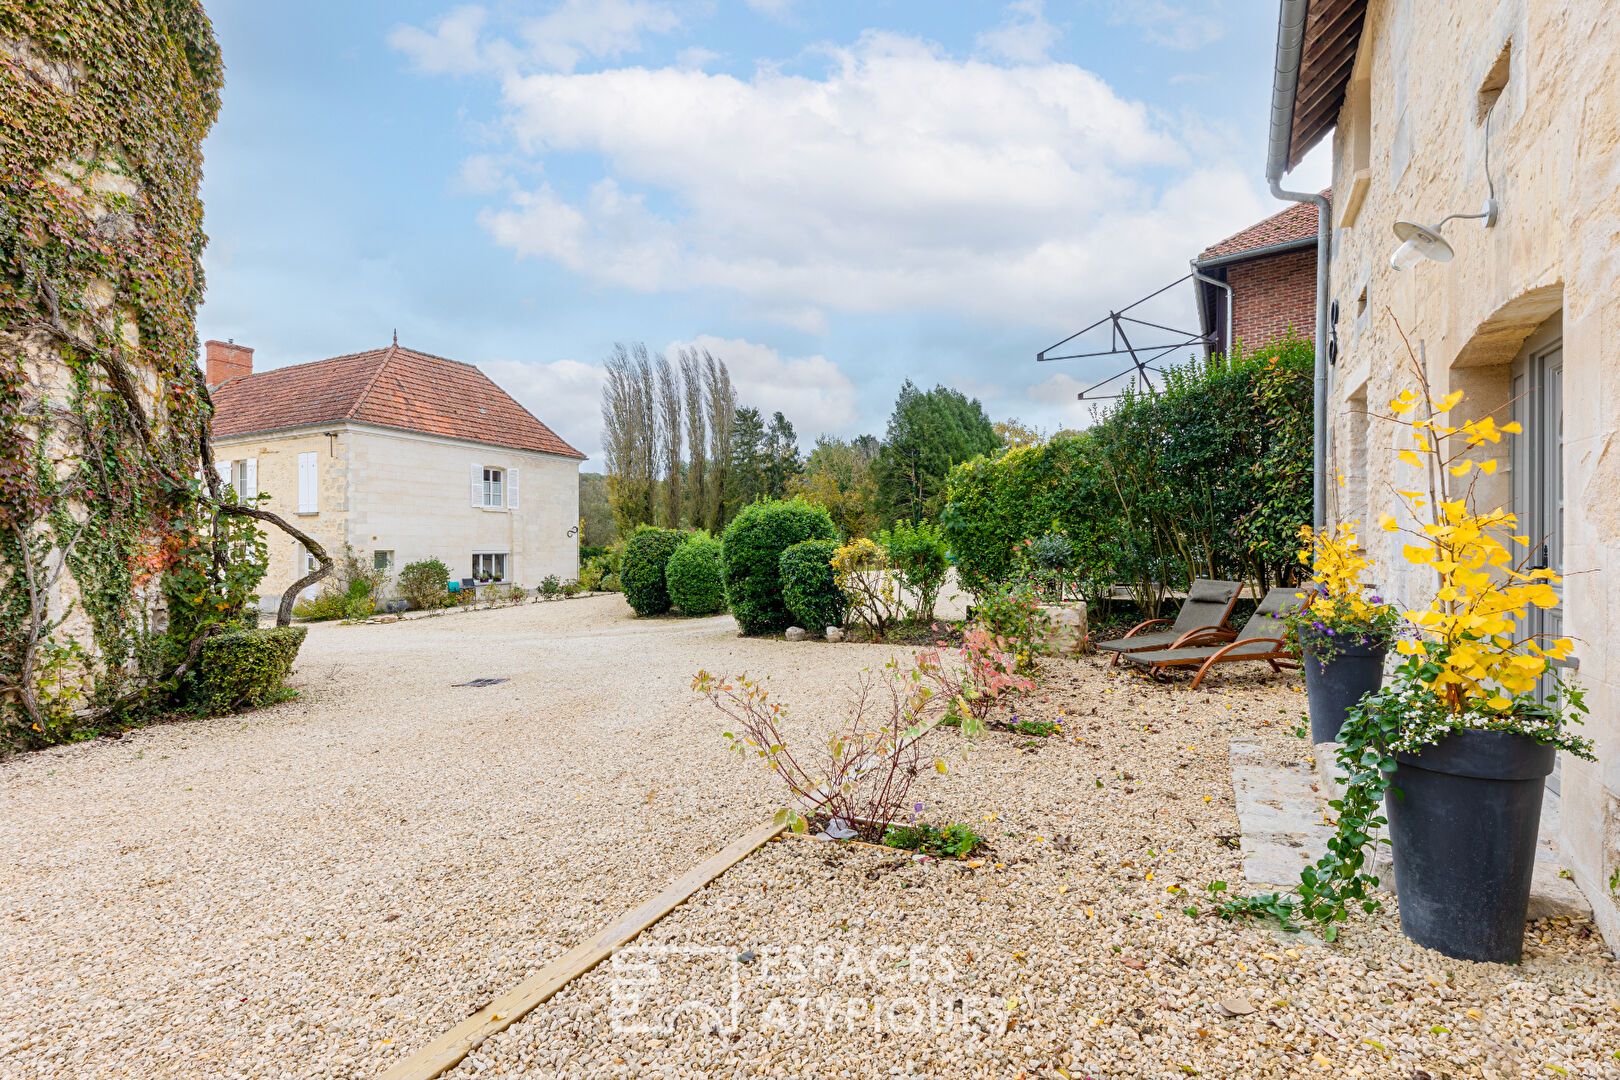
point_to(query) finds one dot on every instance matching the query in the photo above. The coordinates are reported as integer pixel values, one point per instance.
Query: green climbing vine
(119, 555)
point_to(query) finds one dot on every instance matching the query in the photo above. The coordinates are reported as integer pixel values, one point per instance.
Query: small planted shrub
(692, 576)
(351, 591)
(423, 583)
(646, 557)
(810, 586)
(1013, 616)
(550, 587)
(918, 554)
(751, 558)
(941, 841)
(862, 770)
(868, 585)
(244, 668)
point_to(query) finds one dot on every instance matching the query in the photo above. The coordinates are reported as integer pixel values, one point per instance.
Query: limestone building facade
(1433, 109)
(401, 455)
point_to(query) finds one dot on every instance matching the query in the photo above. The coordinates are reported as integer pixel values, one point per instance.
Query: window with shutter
(308, 497)
(494, 487)
(252, 491)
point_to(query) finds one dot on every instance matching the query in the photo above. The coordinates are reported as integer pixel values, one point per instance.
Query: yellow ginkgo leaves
(1469, 633)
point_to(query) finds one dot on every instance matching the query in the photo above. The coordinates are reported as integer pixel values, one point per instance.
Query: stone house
(401, 455)
(1262, 280)
(1434, 109)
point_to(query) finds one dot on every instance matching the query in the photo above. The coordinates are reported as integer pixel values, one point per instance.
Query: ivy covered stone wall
(108, 560)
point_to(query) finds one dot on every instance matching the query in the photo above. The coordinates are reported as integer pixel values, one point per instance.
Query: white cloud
(557, 40)
(900, 179)
(451, 48)
(1175, 26)
(566, 395)
(1024, 37)
(810, 390)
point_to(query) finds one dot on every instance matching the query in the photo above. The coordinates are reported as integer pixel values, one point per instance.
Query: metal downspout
(1285, 81)
(1199, 275)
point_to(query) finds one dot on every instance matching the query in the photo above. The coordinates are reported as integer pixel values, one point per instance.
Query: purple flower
(917, 807)
(1375, 599)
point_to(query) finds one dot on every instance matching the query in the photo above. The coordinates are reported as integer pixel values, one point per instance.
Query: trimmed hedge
(752, 554)
(693, 576)
(810, 587)
(645, 557)
(244, 668)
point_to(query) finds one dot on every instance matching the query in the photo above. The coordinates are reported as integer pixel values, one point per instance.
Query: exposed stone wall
(105, 105)
(1554, 252)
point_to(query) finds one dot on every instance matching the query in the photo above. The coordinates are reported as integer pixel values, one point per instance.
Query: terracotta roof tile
(393, 387)
(1298, 222)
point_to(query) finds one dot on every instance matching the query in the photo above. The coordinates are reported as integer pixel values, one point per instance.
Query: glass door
(1538, 478)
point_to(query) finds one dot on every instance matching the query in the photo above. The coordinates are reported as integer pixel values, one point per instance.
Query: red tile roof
(393, 387)
(1298, 222)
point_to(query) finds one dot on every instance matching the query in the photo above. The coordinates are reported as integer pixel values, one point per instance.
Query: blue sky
(833, 197)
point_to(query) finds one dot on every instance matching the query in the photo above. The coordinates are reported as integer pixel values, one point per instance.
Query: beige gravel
(1070, 922)
(316, 888)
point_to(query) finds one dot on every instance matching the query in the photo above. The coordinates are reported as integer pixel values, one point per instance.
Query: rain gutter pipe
(1199, 275)
(1284, 84)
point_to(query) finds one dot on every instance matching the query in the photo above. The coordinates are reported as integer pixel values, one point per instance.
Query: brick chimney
(227, 360)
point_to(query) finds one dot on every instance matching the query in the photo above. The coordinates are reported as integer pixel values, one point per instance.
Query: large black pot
(1464, 829)
(1335, 686)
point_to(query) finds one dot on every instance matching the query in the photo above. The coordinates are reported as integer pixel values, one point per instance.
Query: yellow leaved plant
(1476, 656)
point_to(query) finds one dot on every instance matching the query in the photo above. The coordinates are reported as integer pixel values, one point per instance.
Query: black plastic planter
(1464, 832)
(1334, 687)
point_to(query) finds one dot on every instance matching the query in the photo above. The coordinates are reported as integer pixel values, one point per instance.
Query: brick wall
(1274, 293)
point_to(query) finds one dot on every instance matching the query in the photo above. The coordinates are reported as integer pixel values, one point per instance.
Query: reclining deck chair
(1261, 639)
(1204, 614)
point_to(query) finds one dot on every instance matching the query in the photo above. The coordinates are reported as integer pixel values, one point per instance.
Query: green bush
(693, 576)
(422, 584)
(645, 558)
(919, 556)
(752, 555)
(592, 573)
(351, 591)
(610, 583)
(327, 604)
(810, 587)
(1207, 476)
(244, 668)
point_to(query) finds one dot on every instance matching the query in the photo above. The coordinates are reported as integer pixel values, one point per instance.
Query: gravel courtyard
(319, 888)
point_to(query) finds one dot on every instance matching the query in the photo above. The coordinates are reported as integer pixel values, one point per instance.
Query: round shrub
(693, 576)
(810, 587)
(423, 583)
(642, 577)
(751, 558)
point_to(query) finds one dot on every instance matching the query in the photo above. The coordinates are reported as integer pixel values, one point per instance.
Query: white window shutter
(511, 489)
(308, 500)
(224, 470)
(252, 491)
(477, 484)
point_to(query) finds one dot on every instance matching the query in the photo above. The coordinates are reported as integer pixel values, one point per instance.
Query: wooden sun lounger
(1202, 617)
(1261, 639)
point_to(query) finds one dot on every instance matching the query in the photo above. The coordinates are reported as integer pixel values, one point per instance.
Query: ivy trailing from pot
(1460, 736)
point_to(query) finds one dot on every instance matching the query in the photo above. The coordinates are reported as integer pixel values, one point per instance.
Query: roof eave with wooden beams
(1332, 33)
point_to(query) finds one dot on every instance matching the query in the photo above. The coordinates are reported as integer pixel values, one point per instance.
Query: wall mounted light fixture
(1419, 241)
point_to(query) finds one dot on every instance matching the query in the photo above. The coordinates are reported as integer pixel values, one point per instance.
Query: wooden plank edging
(445, 1052)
